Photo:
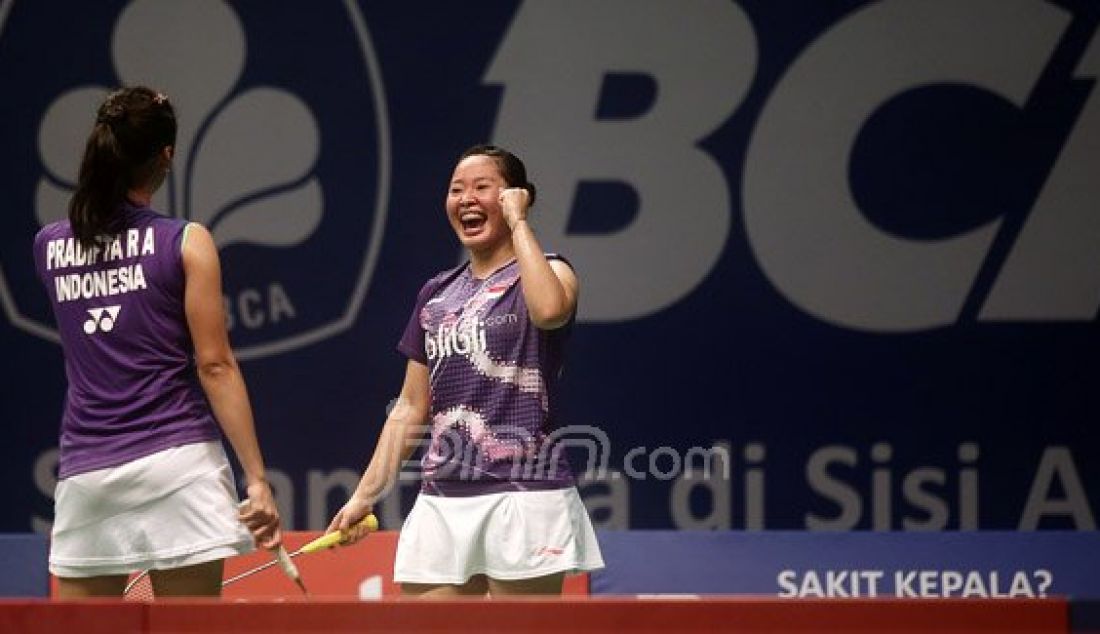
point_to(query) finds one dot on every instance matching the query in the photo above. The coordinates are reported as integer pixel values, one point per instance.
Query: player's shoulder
(448, 274)
(443, 278)
(169, 224)
(435, 282)
(192, 228)
(52, 231)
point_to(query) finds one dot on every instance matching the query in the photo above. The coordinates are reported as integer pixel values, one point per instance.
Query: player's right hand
(347, 520)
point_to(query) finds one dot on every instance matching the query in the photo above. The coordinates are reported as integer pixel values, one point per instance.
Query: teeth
(472, 220)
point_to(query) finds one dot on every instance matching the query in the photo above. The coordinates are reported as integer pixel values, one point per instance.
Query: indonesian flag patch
(497, 290)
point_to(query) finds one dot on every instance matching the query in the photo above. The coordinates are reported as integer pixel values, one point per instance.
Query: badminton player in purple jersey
(143, 481)
(498, 512)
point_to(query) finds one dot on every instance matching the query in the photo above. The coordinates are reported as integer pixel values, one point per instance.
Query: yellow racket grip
(328, 540)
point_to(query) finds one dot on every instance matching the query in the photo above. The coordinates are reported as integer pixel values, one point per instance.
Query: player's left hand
(261, 516)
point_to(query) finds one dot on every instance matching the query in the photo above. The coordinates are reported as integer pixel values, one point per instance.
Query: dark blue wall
(847, 252)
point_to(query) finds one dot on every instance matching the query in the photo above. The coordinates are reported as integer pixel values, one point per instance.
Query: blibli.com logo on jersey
(464, 338)
(263, 153)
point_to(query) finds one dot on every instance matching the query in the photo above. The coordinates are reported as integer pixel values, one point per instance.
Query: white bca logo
(235, 158)
(246, 166)
(102, 319)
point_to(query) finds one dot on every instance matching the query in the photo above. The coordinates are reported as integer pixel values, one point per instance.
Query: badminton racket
(140, 586)
(328, 540)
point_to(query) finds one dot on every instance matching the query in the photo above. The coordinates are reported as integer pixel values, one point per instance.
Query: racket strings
(139, 587)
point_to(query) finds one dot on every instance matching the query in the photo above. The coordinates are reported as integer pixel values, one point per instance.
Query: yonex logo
(253, 162)
(102, 319)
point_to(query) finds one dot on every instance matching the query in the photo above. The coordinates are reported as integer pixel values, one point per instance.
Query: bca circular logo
(282, 150)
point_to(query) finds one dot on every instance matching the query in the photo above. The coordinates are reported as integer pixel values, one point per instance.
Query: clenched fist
(514, 202)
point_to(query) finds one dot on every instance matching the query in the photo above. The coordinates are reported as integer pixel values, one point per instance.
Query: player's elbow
(406, 412)
(551, 315)
(216, 369)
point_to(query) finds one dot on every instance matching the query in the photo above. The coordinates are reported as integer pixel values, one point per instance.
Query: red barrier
(88, 617)
(664, 616)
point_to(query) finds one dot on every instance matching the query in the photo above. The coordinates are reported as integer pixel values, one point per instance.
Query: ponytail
(132, 126)
(100, 188)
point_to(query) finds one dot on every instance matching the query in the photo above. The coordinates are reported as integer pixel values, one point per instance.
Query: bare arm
(222, 381)
(403, 429)
(549, 287)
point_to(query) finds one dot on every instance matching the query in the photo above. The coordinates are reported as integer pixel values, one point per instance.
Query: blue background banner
(840, 261)
(801, 564)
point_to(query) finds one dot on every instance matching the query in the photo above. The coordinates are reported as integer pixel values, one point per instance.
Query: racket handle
(328, 540)
(285, 563)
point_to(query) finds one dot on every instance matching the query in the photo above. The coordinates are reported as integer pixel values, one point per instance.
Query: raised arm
(403, 429)
(222, 381)
(549, 286)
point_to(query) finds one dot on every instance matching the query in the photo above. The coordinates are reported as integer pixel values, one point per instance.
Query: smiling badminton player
(143, 480)
(498, 511)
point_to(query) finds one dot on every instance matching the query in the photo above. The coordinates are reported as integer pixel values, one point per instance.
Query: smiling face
(473, 204)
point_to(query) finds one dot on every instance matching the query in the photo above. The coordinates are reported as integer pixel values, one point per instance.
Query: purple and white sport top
(493, 375)
(132, 386)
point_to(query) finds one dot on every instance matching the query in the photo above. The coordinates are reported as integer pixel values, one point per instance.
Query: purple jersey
(493, 375)
(132, 387)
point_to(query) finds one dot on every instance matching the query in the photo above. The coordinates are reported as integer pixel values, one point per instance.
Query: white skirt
(177, 507)
(507, 536)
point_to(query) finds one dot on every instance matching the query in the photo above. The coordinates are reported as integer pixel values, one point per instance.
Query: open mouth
(472, 222)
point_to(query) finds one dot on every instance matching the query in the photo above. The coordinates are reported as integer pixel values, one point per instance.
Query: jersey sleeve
(565, 328)
(412, 340)
(561, 258)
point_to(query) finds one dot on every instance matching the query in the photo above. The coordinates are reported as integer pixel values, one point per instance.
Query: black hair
(511, 168)
(132, 126)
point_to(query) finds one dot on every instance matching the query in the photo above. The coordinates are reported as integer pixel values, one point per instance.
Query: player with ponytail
(143, 480)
